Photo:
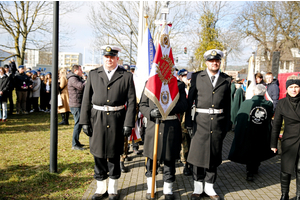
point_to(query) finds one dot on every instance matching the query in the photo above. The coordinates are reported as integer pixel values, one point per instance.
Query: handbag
(59, 100)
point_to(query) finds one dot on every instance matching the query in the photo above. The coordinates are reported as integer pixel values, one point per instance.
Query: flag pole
(154, 157)
(156, 129)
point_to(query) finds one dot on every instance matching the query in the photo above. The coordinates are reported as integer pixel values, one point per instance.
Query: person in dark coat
(11, 88)
(108, 89)
(259, 79)
(4, 88)
(47, 88)
(251, 141)
(42, 94)
(76, 87)
(169, 139)
(288, 109)
(272, 93)
(28, 99)
(12, 66)
(210, 89)
(21, 82)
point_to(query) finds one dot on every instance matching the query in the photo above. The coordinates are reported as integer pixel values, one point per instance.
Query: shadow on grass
(36, 182)
(33, 122)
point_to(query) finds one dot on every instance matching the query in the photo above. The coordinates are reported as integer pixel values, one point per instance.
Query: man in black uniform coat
(169, 139)
(108, 90)
(210, 92)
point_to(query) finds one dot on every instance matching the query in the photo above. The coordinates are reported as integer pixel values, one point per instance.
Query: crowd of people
(210, 103)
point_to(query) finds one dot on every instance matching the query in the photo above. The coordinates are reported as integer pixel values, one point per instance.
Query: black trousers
(204, 175)
(252, 167)
(34, 102)
(169, 170)
(11, 103)
(47, 100)
(285, 178)
(107, 167)
(28, 102)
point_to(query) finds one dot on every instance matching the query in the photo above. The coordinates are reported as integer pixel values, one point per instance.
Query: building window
(281, 65)
(74, 56)
(287, 65)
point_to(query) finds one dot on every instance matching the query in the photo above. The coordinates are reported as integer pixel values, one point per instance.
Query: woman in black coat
(288, 109)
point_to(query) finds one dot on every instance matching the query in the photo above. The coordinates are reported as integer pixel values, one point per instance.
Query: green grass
(25, 155)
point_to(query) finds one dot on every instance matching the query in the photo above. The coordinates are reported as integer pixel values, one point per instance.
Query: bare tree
(271, 24)
(114, 21)
(28, 25)
(222, 11)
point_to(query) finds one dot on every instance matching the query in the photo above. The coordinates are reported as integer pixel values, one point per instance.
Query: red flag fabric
(162, 86)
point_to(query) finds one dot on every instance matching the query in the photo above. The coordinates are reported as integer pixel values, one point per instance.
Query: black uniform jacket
(290, 141)
(169, 135)
(210, 129)
(252, 132)
(107, 139)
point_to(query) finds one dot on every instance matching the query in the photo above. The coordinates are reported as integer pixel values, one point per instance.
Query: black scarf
(294, 100)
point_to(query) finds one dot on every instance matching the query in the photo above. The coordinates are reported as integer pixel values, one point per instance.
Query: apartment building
(67, 59)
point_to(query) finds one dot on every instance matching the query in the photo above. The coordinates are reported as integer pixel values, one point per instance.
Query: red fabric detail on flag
(154, 85)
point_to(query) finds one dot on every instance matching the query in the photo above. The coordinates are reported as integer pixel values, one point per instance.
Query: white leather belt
(209, 111)
(171, 117)
(108, 108)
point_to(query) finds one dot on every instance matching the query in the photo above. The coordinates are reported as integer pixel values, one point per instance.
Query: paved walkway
(231, 183)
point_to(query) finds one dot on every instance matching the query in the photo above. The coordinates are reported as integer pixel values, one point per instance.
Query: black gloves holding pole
(127, 131)
(155, 113)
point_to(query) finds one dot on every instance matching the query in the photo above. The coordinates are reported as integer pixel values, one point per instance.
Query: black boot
(67, 118)
(63, 122)
(191, 168)
(285, 180)
(186, 170)
(123, 168)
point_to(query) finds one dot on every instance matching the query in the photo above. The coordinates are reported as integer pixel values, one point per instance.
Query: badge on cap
(108, 49)
(213, 53)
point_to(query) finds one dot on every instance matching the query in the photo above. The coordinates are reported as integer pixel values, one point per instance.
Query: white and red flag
(162, 86)
(251, 78)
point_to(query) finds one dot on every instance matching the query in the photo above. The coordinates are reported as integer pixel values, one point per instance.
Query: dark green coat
(251, 141)
(233, 89)
(236, 104)
(169, 135)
